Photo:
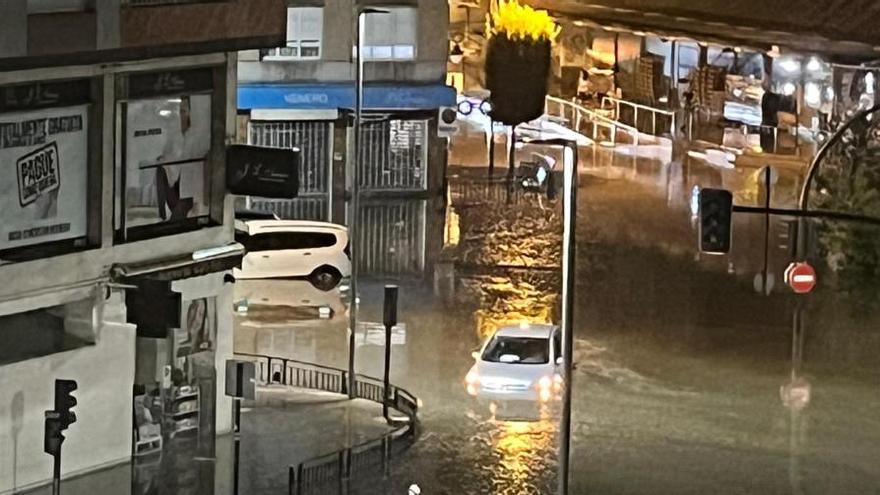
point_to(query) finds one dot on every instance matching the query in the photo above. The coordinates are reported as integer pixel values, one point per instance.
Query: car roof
(256, 226)
(533, 330)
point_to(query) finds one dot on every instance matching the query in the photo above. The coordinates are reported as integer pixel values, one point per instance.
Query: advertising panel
(43, 176)
(167, 144)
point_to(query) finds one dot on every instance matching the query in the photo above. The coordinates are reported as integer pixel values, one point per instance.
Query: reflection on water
(510, 300)
(507, 257)
(521, 448)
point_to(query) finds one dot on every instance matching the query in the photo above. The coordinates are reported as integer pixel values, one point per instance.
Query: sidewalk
(282, 428)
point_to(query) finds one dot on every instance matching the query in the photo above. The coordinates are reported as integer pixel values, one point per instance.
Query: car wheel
(325, 278)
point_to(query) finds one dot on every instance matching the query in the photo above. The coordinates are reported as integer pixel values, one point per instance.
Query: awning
(839, 30)
(333, 96)
(196, 264)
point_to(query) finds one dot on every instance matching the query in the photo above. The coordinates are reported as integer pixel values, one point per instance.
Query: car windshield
(517, 350)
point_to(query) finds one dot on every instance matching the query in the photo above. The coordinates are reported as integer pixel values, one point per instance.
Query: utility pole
(354, 207)
(570, 190)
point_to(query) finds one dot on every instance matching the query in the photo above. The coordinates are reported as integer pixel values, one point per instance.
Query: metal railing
(576, 115)
(332, 472)
(617, 103)
(473, 191)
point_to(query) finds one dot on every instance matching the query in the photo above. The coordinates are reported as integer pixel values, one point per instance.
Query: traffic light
(64, 401)
(716, 208)
(52, 436)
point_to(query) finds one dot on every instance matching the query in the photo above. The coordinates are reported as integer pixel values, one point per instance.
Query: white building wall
(105, 372)
(101, 435)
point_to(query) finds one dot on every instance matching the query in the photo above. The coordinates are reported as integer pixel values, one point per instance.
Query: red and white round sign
(801, 277)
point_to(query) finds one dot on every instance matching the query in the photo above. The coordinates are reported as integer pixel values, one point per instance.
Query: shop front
(181, 309)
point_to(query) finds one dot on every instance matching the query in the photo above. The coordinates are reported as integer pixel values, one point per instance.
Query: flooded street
(685, 380)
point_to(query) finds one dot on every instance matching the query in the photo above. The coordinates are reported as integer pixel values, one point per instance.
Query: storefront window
(175, 382)
(164, 150)
(46, 331)
(44, 169)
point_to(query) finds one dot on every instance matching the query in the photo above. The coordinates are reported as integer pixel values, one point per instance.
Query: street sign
(801, 277)
(447, 123)
(264, 172)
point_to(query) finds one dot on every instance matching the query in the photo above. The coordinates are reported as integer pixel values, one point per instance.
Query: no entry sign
(801, 277)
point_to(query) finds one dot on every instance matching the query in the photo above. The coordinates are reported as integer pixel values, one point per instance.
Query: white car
(318, 251)
(519, 363)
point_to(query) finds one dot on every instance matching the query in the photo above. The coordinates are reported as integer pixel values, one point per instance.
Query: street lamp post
(569, 163)
(353, 204)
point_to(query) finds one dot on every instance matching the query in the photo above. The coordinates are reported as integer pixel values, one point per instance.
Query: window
(44, 149)
(305, 26)
(391, 36)
(517, 350)
(46, 331)
(557, 344)
(277, 241)
(164, 154)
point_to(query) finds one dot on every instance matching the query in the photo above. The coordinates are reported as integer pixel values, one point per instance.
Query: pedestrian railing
(577, 116)
(332, 472)
(299, 374)
(666, 117)
(473, 191)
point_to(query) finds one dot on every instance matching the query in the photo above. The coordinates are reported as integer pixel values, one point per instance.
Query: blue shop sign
(332, 96)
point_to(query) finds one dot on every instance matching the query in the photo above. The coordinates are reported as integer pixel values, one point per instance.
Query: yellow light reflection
(517, 311)
(521, 446)
(452, 234)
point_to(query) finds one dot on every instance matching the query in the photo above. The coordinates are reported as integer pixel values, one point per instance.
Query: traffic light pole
(56, 421)
(56, 474)
(568, 266)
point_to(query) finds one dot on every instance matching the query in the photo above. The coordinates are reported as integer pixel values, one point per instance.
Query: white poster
(167, 144)
(43, 176)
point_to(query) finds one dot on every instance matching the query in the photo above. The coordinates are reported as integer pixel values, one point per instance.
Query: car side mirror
(476, 355)
(560, 360)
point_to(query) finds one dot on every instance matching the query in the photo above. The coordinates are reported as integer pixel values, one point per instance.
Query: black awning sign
(264, 172)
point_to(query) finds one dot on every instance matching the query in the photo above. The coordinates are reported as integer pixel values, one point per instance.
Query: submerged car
(519, 363)
(318, 251)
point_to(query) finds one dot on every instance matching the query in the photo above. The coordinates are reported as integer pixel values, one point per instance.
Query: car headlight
(545, 383)
(472, 377)
(544, 394)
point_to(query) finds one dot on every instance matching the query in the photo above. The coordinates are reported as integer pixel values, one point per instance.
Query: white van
(318, 251)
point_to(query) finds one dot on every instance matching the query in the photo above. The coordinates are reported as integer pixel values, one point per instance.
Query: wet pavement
(687, 380)
(282, 428)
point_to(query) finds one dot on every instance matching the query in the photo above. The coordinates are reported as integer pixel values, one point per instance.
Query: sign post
(390, 319)
(58, 420)
(239, 385)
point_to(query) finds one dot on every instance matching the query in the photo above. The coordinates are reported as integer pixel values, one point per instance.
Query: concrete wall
(13, 28)
(336, 51)
(102, 434)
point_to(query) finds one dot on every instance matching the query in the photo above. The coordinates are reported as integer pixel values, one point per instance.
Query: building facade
(116, 225)
(302, 94)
